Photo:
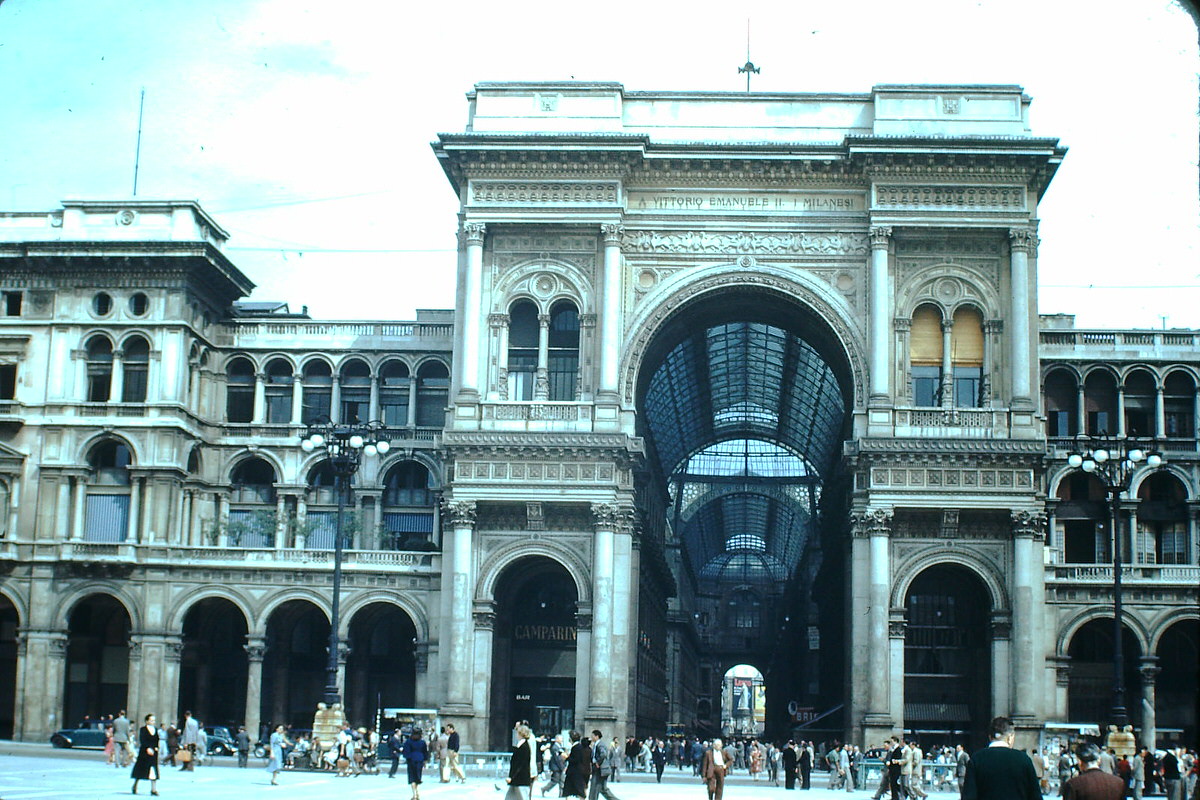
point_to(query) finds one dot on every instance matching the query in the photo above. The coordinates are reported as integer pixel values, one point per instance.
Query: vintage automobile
(90, 736)
(220, 740)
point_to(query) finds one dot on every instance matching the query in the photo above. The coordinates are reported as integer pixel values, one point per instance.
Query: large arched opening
(10, 621)
(214, 665)
(1090, 690)
(381, 667)
(947, 657)
(533, 649)
(294, 666)
(1177, 685)
(743, 400)
(97, 676)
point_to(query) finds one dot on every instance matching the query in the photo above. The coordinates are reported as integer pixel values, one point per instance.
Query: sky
(303, 128)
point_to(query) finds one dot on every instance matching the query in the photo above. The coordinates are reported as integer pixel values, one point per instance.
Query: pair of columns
(1022, 243)
(470, 369)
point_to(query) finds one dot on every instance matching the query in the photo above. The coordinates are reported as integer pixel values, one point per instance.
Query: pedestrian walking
(999, 772)
(1093, 783)
(602, 768)
(555, 764)
(243, 746)
(523, 766)
(416, 753)
(579, 767)
(453, 743)
(713, 770)
(189, 740)
(145, 768)
(395, 747)
(275, 754)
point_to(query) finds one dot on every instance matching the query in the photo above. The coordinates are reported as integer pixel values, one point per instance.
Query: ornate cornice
(996, 447)
(463, 444)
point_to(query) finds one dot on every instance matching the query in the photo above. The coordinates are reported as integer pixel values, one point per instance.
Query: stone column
(116, 386)
(484, 617)
(947, 364)
(62, 508)
(468, 370)
(1001, 663)
(990, 329)
(1062, 685)
(1149, 670)
(878, 721)
(457, 571)
(583, 672)
(1160, 412)
(280, 522)
(541, 381)
(497, 380)
(893, 683)
(587, 358)
(600, 701)
(1081, 412)
(186, 516)
(301, 520)
(335, 398)
(40, 684)
(256, 650)
(260, 398)
(412, 401)
(610, 313)
(881, 298)
(297, 407)
(373, 403)
(903, 328)
(1022, 244)
(78, 500)
(1029, 533)
(1120, 409)
(135, 510)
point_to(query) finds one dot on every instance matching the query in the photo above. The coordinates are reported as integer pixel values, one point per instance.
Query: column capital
(871, 522)
(256, 650)
(1062, 670)
(497, 321)
(460, 513)
(1149, 669)
(587, 320)
(993, 326)
(473, 233)
(897, 628)
(1022, 240)
(902, 324)
(544, 320)
(611, 232)
(605, 516)
(1029, 524)
(1001, 625)
(484, 620)
(947, 325)
(583, 620)
(880, 236)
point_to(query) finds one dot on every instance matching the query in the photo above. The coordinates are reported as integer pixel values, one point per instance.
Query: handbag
(184, 756)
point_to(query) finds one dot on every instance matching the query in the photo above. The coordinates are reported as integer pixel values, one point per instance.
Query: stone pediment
(11, 460)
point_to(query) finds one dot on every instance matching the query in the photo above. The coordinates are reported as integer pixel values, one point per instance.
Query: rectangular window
(393, 408)
(239, 404)
(133, 388)
(12, 303)
(967, 382)
(1059, 423)
(356, 405)
(99, 385)
(1138, 421)
(1170, 543)
(279, 407)
(1179, 421)
(8, 381)
(564, 370)
(1080, 541)
(322, 525)
(926, 386)
(106, 518)
(522, 366)
(251, 529)
(1098, 423)
(318, 404)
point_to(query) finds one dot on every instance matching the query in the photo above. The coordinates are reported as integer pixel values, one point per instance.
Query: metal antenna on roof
(137, 155)
(748, 67)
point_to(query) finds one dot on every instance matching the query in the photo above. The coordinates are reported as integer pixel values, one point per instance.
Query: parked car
(91, 736)
(220, 740)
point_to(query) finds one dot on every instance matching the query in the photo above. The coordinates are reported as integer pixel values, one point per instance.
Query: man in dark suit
(999, 772)
(1093, 783)
(790, 762)
(602, 768)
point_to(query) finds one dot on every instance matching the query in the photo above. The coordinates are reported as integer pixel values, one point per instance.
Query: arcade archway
(381, 667)
(213, 664)
(533, 649)
(743, 401)
(9, 622)
(294, 664)
(1090, 687)
(1177, 685)
(97, 679)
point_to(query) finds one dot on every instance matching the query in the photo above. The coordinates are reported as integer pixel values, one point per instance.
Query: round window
(139, 304)
(102, 303)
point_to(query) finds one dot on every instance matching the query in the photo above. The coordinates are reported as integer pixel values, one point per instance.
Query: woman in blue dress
(416, 753)
(275, 754)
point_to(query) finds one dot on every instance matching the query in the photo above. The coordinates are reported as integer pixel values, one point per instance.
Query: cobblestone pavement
(32, 772)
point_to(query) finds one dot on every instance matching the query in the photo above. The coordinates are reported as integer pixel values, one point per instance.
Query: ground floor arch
(743, 702)
(9, 623)
(97, 666)
(214, 665)
(1177, 685)
(294, 663)
(533, 648)
(948, 656)
(381, 662)
(1090, 685)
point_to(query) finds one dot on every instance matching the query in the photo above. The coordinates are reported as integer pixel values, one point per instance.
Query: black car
(90, 736)
(220, 741)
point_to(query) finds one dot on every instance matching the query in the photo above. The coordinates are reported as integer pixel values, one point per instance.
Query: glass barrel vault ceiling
(746, 421)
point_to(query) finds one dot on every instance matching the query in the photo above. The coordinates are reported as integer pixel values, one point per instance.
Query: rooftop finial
(748, 67)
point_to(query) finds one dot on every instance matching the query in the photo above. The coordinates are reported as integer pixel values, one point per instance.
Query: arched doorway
(742, 400)
(213, 663)
(1090, 687)
(294, 664)
(1177, 685)
(9, 623)
(947, 657)
(743, 702)
(97, 679)
(381, 670)
(533, 649)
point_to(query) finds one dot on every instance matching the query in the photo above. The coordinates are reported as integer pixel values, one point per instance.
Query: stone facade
(525, 549)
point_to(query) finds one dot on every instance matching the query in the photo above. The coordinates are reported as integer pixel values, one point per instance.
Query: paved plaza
(37, 771)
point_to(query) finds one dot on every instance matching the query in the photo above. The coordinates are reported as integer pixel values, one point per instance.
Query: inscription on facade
(692, 202)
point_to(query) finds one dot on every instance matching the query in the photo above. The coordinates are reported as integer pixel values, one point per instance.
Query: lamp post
(1113, 460)
(345, 445)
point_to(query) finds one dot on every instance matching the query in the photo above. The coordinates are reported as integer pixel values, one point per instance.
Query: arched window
(433, 393)
(563, 363)
(106, 515)
(1062, 404)
(356, 392)
(1162, 516)
(278, 391)
(1140, 398)
(318, 391)
(321, 522)
(1179, 403)
(409, 500)
(252, 504)
(1100, 401)
(1084, 518)
(522, 349)
(925, 356)
(137, 370)
(99, 369)
(393, 394)
(239, 391)
(966, 357)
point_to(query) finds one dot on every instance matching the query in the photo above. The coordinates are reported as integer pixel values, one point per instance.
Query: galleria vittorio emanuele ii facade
(731, 379)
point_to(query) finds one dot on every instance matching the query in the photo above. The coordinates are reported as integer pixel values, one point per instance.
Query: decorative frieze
(957, 198)
(535, 517)
(1000, 480)
(743, 242)
(545, 193)
(524, 470)
(543, 243)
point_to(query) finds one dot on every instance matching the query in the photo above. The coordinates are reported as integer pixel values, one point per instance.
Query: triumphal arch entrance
(744, 379)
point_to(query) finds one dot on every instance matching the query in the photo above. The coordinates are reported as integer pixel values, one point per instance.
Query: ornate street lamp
(345, 445)
(1113, 460)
